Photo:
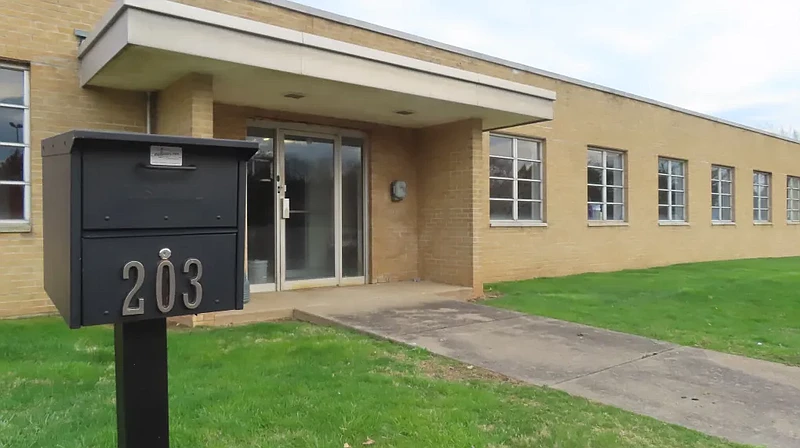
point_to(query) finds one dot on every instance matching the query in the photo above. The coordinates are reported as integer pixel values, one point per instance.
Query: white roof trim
(294, 6)
(186, 12)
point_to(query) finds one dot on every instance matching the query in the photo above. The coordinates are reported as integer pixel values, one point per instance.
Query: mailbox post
(139, 228)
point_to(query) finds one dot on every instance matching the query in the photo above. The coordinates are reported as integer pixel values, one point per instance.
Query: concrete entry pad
(741, 399)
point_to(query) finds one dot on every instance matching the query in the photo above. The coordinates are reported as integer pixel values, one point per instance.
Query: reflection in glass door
(261, 216)
(309, 228)
(306, 210)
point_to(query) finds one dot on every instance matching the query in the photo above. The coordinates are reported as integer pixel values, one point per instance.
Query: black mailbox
(141, 226)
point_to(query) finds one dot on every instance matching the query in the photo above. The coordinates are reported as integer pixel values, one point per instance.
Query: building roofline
(294, 6)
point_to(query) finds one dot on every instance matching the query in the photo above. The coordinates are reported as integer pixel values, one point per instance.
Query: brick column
(186, 108)
(453, 203)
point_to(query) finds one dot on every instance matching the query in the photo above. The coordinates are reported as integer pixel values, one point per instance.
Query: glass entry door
(311, 204)
(309, 195)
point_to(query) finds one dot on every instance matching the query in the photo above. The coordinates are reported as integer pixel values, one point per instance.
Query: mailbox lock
(108, 218)
(166, 218)
(165, 253)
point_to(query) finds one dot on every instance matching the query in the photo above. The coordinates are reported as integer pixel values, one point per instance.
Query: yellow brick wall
(449, 160)
(186, 107)
(41, 34)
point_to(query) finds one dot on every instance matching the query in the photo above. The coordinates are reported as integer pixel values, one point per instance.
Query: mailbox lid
(122, 189)
(105, 290)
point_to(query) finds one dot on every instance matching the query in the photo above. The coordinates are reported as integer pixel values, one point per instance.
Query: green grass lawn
(746, 307)
(296, 385)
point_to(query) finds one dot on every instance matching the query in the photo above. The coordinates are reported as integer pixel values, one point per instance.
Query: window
(14, 146)
(761, 194)
(721, 193)
(793, 199)
(606, 185)
(515, 179)
(671, 189)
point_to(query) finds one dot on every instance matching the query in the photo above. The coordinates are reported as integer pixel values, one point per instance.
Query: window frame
(790, 199)
(11, 225)
(605, 185)
(669, 190)
(719, 193)
(515, 200)
(757, 195)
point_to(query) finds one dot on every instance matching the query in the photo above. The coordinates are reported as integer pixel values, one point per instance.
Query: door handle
(285, 208)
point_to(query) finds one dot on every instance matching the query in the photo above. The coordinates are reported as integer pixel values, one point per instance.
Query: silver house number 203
(165, 284)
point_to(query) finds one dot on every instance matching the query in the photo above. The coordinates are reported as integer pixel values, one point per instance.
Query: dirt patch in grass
(440, 369)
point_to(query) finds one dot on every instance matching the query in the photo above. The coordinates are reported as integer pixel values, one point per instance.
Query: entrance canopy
(148, 44)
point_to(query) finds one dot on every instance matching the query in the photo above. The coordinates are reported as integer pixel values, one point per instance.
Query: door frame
(282, 129)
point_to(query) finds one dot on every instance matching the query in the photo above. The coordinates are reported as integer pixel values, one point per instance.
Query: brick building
(510, 172)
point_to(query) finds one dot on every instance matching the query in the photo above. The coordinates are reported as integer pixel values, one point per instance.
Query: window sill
(8, 227)
(793, 223)
(674, 223)
(768, 224)
(723, 223)
(517, 224)
(607, 224)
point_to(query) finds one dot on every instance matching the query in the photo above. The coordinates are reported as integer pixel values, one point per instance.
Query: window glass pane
(725, 173)
(715, 200)
(614, 178)
(677, 168)
(765, 191)
(529, 170)
(715, 214)
(727, 214)
(595, 158)
(756, 215)
(677, 199)
(615, 213)
(614, 159)
(726, 201)
(715, 172)
(663, 197)
(529, 190)
(679, 213)
(12, 84)
(501, 188)
(12, 202)
(715, 187)
(595, 194)
(764, 203)
(677, 183)
(12, 163)
(614, 195)
(501, 167)
(663, 213)
(501, 146)
(795, 194)
(527, 149)
(12, 128)
(663, 181)
(663, 166)
(501, 210)
(595, 176)
(525, 210)
(755, 203)
(726, 187)
(595, 212)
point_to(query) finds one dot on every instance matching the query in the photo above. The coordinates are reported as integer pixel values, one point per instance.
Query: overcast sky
(735, 59)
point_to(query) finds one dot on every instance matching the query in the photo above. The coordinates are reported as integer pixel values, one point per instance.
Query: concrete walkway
(737, 398)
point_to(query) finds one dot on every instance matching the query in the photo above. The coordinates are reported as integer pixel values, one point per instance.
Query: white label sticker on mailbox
(166, 156)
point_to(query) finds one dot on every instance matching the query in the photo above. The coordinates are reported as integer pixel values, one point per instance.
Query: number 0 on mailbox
(140, 226)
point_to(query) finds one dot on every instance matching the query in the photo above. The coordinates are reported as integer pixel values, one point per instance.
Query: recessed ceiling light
(294, 96)
(404, 112)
